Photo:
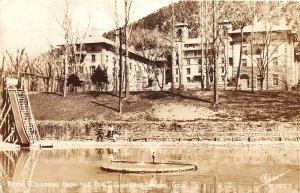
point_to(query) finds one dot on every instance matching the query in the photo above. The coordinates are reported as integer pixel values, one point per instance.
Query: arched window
(244, 76)
(179, 33)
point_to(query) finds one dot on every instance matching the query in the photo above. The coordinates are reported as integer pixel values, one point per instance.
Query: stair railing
(29, 134)
(37, 134)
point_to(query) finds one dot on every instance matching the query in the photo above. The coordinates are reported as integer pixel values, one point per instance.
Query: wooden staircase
(26, 114)
(18, 121)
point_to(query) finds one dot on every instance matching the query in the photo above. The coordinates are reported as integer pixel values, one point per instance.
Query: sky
(33, 24)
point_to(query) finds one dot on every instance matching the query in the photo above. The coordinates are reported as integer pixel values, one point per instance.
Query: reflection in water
(219, 171)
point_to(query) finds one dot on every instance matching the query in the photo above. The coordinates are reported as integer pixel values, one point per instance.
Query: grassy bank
(167, 106)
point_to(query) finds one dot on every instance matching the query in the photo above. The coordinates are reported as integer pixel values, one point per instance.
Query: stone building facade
(273, 58)
(98, 51)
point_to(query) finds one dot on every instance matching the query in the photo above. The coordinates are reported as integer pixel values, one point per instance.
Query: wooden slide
(24, 136)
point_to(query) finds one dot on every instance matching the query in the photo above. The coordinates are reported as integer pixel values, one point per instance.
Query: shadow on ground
(105, 105)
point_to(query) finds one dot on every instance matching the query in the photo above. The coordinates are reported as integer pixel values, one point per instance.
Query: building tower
(181, 34)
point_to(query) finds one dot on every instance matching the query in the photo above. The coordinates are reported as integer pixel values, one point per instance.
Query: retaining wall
(173, 131)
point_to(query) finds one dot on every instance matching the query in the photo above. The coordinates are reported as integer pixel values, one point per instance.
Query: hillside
(160, 106)
(161, 19)
(189, 12)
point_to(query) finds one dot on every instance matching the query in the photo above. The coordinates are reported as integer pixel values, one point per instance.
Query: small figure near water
(153, 157)
(112, 133)
(100, 134)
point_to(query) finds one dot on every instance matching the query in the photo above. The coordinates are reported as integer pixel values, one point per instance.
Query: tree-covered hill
(185, 11)
(189, 12)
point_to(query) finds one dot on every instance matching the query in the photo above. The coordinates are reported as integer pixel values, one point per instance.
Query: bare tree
(70, 48)
(2, 73)
(151, 46)
(239, 17)
(127, 30)
(15, 65)
(265, 46)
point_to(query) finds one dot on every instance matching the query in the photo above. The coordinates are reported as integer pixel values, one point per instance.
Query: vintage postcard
(165, 96)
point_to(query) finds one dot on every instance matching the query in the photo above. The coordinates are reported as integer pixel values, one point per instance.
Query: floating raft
(147, 167)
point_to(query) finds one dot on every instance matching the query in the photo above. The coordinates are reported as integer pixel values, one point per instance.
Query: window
(176, 70)
(188, 71)
(223, 78)
(275, 79)
(188, 79)
(93, 58)
(77, 59)
(230, 61)
(106, 58)
(179, 33)
(197, 78)
(93, 69)
(259, 61)
(199, 61)
(176, 79)
(244, 62)
(188, 62)
(130, 66)
(223, 69)
(258, 49)
(222, 60)
(199, 70)
(80, 69)
(258, 79)
(275, 62)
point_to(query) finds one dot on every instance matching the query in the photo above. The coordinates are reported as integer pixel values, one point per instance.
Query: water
(220, 170)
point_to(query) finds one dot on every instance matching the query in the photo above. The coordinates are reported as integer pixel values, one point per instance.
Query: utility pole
(120, 71)
(127, 70)
(173, 50)
(66, 65)
(252, 68)
(214, 57)
(201, 59)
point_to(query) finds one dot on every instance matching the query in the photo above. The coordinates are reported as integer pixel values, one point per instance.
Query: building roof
(97, 39)
(181, 24)
(262, 26)
(193, 41)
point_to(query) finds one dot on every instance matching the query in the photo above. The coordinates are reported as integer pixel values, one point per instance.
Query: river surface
(220, 170)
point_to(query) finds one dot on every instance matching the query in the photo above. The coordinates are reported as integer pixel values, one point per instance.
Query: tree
(127, 36)
(71, 59)
(73, 81)
(99, 78)
(239, 17)
(16, 65)
(266, 45)
(150, 45)
(48, 65)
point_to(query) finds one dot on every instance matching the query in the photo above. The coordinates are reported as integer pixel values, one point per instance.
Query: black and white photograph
(149, 96)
